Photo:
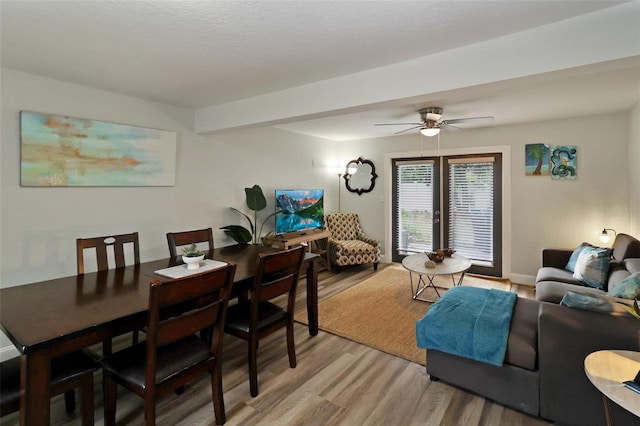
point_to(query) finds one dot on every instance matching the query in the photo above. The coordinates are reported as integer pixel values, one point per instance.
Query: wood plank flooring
(336, 382)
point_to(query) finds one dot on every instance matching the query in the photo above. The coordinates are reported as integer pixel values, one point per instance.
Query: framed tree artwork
(536, 159)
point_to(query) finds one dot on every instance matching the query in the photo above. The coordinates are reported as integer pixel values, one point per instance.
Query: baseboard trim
(523, 279)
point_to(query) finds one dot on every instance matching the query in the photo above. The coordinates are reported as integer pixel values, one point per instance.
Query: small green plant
(192, 251)
(256, 202)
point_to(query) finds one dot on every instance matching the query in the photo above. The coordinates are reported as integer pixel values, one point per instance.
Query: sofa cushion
(629, 288)
(549, 273)
(522, 343)
(592, 266)
(553, 291)
(632, 265)
(617, 273)
(625, 246)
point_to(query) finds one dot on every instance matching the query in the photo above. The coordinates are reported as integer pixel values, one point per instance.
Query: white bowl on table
(193, 262)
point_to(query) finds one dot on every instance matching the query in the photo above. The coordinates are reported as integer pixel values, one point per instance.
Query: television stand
(310, 238)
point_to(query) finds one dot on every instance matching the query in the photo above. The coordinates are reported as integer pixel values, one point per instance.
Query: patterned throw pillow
(629, 288)
(571, 264)
(592, 266)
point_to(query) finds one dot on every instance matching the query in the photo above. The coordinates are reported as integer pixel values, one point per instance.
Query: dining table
(53, 317)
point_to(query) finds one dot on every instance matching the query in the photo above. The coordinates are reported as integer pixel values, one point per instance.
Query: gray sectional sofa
(543, 372)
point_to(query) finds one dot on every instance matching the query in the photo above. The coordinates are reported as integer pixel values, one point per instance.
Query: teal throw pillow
(594, 302)
(571, 264)
(629, 288)
(592, 266)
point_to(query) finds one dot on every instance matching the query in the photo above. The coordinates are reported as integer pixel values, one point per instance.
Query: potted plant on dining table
(192, 257)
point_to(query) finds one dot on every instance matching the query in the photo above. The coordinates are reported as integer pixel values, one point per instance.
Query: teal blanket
(469, 322)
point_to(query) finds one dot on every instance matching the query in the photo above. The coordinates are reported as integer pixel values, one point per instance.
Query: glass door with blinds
(416, 206)
(460, 210)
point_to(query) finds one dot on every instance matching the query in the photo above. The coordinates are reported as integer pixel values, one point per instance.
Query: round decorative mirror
(360, 176)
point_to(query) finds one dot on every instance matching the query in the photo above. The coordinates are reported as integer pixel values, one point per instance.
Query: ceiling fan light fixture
(430, 131)
(430, 128)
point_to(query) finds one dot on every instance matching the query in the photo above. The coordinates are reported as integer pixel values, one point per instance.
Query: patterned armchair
(348, 244)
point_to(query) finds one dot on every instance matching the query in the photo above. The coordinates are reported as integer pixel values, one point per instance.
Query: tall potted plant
(256, 202)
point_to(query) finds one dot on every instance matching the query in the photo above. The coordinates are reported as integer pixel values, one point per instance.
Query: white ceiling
(203, 54)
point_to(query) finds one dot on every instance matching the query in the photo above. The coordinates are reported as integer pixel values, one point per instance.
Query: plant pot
(193, 262)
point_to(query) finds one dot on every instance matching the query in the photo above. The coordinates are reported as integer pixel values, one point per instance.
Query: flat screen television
(299, 209)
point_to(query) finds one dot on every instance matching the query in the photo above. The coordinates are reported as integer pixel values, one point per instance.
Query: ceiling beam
(606, 35)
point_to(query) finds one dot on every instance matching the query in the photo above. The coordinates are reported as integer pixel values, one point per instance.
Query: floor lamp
(339, 176)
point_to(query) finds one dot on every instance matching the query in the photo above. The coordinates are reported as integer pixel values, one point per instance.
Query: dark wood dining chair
(103, 246)
(68, 372)
(251, 320)
(177, 239)
(172, 354)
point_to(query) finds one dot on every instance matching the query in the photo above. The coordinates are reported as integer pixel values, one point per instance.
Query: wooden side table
(292, 239)
(607, 370)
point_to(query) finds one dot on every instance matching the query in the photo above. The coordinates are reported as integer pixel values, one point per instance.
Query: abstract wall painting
(65, 151)
(564, 162)
(536, 159)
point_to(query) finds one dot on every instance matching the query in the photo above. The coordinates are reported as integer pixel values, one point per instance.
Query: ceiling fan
(432, 123)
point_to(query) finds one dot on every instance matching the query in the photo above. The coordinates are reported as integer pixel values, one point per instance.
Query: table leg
(312, 297)
(35, 380)
(459, 280)
(607, 410)
(421, 286)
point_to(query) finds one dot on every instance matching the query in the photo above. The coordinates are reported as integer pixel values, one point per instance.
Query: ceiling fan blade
(398, 124)
(406, 130)
(449, 127)
(466, 120)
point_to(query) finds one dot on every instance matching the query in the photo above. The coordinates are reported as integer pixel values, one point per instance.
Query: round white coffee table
(607, 370)
(414, 263)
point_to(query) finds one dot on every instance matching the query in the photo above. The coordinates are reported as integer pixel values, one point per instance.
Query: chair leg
(70, 401)
(375, 266)
(291, 345)
(110, 389)
(150, 409)
(253, 366)
(86, 394)
(216, 392)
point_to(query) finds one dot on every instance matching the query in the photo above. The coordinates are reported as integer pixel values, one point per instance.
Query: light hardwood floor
(336, 382)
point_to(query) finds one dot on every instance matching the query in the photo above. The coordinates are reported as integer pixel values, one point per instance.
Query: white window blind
(414, 195)
(471, 192)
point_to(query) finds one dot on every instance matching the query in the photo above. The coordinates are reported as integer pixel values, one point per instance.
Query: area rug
(380, 312)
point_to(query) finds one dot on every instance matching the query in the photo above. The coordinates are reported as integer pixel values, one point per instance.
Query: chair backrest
(177, 239)
(343, 226)
(102, 244)
(276, 274)
(181, 307)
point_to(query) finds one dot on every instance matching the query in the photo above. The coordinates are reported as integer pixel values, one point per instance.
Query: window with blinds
(415, 183)
(471, 208)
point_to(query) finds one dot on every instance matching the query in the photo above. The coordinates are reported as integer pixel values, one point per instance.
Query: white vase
(193, 262)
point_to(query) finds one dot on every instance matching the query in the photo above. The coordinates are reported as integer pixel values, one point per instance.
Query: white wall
(39, 225)
(543, 212)
(633, 167)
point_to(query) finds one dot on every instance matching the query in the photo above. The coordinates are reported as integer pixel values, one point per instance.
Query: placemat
(181, 271)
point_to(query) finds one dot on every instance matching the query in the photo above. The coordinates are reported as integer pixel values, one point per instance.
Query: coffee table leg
(421, 286)
(459, 280)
